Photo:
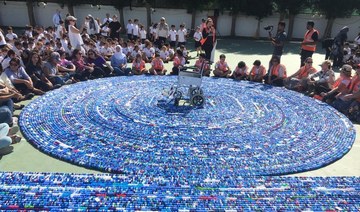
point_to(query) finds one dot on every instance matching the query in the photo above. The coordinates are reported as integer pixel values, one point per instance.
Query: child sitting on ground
(257, 72)
(240, 72)
(157, 66)
(222, 69)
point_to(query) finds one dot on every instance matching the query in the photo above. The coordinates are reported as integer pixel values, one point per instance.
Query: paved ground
(24, 157)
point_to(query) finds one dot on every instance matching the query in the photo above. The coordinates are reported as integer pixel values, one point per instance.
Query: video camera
(269, 28)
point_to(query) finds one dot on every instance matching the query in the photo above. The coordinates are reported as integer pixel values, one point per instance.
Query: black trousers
(303, 55)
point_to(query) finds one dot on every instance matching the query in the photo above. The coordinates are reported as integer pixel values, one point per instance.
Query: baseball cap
(55, 56)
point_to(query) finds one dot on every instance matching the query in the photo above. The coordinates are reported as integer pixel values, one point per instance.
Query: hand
(323, 94)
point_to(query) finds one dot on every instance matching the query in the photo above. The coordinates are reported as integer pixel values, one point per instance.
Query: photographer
(278, 40)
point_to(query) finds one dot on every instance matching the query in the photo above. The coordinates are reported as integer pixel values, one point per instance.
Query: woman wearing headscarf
(119, 62)
(162, 32)
(92, 26)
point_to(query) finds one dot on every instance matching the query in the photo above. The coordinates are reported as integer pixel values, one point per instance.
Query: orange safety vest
(262, 70)
(355, 85)
(339, 81)
(222, 66)
(177, 61)
(139, 66)
(307, 38)
(304, 72)
(275, 70)
(157, 64)
(198, 65)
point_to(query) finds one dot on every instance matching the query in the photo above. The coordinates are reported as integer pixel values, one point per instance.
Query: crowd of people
(42, 59)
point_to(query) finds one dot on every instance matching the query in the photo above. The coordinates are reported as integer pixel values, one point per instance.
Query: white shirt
(135, 31)
(107, 19)
(11, 36)
(164, 55)
(58, 31)
(143, 34)
(197, 36)
(129, 28)
(172, 34)
(149, 52)
(106, 51)
(105, 31)
(182, 35)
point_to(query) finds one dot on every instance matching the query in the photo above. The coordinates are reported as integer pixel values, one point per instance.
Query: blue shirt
(20, 74)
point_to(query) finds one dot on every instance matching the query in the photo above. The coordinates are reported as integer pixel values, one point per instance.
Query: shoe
(13, 130)
(18, 106)
(56, 86)
(29, 96)
(68, 82)
(15, 139)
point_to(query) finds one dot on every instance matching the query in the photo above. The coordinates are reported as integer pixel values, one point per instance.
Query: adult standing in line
(115, 28)
(279, 40)
(75, 38)
(338, 47)
(162, 32)
(57, 18)
(308, 45)
(208, 40)
(107, 19)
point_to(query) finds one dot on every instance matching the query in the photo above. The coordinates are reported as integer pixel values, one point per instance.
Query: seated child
(257, 72)
(222, 69)
(138, 66)
(240, 72)
(199, 63)
(157, 66)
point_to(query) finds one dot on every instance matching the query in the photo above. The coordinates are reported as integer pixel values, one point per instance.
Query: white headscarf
(119, 55)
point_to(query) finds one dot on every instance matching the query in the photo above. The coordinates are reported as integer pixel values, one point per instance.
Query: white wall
(15, 14)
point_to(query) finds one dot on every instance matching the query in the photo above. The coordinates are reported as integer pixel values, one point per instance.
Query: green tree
(260, 9)
(333, 9)
(235, 7)
(194, 6)
(290, 8)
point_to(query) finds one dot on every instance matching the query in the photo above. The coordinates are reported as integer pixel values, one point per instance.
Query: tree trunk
(257, 32)
(282, 16)
(233, 24)
(148, 14)
(328, 29)
(193, 17)
(71, 8)
(122, 21)
(30, 9)
(291, 26)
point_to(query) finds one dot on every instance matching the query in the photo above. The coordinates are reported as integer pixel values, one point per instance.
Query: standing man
(57, 18)
(279, 40)
(308, 45)
(338, 47)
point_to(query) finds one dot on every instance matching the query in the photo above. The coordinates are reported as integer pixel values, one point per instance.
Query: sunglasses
(309, 62)
(14, 64)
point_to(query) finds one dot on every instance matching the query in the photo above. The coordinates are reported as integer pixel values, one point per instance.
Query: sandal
(18, 106)
(15, 139)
